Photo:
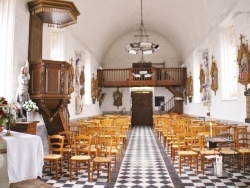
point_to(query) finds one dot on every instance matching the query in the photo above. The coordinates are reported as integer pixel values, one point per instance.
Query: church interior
(124, 93)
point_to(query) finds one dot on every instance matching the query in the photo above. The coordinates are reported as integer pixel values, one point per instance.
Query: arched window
(88, 76)
(229, 77)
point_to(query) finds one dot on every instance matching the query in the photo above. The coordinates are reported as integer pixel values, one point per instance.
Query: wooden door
(178, 104)
(142, 108)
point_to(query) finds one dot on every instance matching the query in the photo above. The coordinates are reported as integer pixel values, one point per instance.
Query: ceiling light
(142, 43)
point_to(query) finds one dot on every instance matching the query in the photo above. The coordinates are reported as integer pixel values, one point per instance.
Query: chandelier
(142, 44)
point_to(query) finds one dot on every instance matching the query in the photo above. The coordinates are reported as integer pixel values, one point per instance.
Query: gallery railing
(125, 78)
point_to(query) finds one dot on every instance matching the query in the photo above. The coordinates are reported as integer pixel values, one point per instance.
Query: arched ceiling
(184, 22)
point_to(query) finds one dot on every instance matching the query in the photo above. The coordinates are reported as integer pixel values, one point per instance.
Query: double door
(142, 108)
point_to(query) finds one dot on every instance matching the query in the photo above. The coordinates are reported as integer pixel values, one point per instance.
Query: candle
(211, 129)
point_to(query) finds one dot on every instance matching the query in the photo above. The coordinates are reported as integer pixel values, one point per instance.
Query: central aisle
(143, 164)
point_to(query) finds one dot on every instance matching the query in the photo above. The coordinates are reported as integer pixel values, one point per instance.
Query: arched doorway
(142, 108)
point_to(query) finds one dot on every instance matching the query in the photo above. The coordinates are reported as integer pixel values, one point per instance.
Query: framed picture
(243, 60)
(117, 95)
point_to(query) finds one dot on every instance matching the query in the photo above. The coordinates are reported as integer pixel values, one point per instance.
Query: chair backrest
(68, 138)
(107, 122)
(103, 147)
(218, 129)
(82, 144)
(56, 143)
(182, 141)
(229, 137)
(203, 139)
(242, 139)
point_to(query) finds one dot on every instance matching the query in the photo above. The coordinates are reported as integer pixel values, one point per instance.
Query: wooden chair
(103, 157)
(185, 153)
(113, 132)
(94, 132)
(228, 150)
(53, 160)
(82, 147)
(243, 146)
(74, 127)
(68, 148)
(204, 151)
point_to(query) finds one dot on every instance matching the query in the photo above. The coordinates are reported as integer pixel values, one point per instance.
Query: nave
(146, 164)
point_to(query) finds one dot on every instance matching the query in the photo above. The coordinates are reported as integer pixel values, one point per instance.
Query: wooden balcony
(160, 77)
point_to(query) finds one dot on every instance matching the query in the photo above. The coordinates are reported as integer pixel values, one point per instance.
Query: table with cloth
(24, 156)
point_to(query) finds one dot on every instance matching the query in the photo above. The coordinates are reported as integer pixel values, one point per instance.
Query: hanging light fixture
(142, 43)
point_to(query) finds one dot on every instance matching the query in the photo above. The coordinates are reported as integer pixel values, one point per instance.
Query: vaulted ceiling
(183, 22)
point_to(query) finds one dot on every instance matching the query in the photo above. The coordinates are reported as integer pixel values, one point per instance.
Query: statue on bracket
(243, 60)
(94, 89)
(202, 78)
(214, 76)
(117, 98)
(189, 88)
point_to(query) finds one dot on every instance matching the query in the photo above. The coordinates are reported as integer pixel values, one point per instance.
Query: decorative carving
(101, 98)
(94, 89)
(49, 85)
(71, 76)
(202, 79)
(43, 77)
(62, 79)
(82, 76)
(243, 60)
(189, 87)
(214, 76)
(206, 96)
(117, 95)
(79, 82)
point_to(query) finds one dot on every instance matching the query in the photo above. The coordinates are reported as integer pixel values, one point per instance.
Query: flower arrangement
(6, 112)
(30, 106)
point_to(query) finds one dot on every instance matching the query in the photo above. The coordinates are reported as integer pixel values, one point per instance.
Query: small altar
(25, 127)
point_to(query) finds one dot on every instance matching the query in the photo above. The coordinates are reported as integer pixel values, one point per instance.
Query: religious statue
(22, 94)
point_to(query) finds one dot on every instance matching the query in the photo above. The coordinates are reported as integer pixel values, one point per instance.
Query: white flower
(30, 106)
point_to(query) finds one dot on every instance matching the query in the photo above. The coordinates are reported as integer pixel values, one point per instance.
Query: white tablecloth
(24, 155)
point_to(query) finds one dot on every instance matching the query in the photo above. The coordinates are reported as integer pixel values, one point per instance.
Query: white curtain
(7, 25)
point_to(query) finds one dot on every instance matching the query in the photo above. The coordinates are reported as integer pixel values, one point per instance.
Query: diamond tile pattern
(146, 164)
(143, 164)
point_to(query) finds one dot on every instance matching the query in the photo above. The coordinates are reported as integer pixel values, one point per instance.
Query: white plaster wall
(108, 103)
(21, 37)
(117, 57)
(108, 106)
(233, 110)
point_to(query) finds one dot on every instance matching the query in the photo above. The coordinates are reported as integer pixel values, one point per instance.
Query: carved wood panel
(35, 38)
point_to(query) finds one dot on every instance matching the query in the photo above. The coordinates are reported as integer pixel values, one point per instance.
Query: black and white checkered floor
(147, 164)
